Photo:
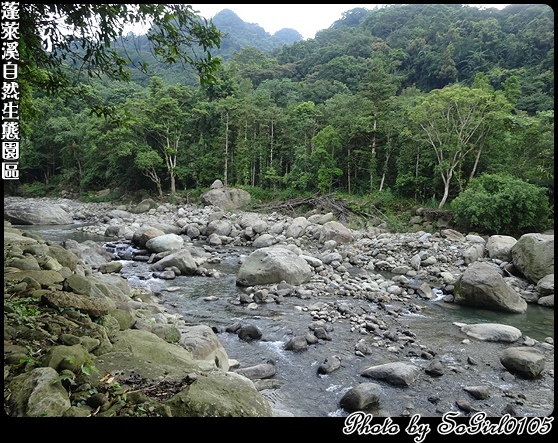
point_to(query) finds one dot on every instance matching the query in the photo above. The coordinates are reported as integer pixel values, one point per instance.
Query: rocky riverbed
(359, 293)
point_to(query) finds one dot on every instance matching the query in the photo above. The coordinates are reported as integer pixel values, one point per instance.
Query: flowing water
(306, 393)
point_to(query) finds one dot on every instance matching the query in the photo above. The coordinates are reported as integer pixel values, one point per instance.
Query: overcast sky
(306, 19)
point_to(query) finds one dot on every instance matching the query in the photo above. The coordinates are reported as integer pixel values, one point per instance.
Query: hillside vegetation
(396, 107)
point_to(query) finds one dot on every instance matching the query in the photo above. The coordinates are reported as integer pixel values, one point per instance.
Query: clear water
(308, 394)
(59, 233)
(305, 392)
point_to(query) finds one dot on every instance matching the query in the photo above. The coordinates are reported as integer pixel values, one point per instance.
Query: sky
(306, 19)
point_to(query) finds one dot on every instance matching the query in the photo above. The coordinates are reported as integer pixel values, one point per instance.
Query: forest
(439, 105)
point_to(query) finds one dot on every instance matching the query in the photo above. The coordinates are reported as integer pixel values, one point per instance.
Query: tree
(303, 126)
(378, 87)
(323, 158)
(163, 121)
(54, 37)
(456, 121)
(148, 161)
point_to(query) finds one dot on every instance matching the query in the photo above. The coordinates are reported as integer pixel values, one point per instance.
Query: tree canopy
(404, 102)
(56, 36)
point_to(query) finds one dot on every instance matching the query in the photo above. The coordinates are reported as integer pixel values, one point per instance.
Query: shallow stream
(305, 393)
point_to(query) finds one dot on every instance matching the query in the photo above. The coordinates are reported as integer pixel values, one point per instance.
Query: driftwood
(322, 203)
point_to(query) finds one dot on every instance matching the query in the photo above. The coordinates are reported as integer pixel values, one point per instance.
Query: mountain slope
(239, 34)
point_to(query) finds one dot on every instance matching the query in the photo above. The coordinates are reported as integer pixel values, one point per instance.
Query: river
(305, 393)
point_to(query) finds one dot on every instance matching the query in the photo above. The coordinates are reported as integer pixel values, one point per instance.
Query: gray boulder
(400, 374)
(257, 372)
(362, 397)
(120, 214)
(473, 253)
(546, 301)
(249, 219)
(36, 213)
(218, 394)
(94, 307)
(16, 238)
(115, 231)
(263, 241)
(142, 235)
(212, 392)
(500, 246)
(329, 365)
(89, 251)
(202, 342)
(297, 227)
(545, 285)
(533, 256)
(491, 332)
(273, 265)
(165, 242)
(333, 230)
(482, 285)
(144, 206)
(39, 393)
(226, 198)
(167, 228)
(218, 227)
(297, 343)
(527, 362)
(182, 260)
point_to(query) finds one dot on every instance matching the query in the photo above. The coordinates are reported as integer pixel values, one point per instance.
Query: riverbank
(334, 277)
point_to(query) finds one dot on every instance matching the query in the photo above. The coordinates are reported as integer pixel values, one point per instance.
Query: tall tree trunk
(384, 172)
(226, 173)
(373, 157)
(477, 160)
(253, 162)
(447, 181)
(271, 146)
(349, 170)
(417, 171)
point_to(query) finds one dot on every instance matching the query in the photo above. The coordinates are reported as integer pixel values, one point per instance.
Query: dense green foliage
(502, 204)
(414, 101)
(61, 44)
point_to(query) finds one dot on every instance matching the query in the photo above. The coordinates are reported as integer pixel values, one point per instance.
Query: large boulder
(202, 342)
(491, 332)
(165, 242)
(396, 373)
(219, 227)
(333, 230)
(526, 362)
(89, 251)
(16, 237)
(483, 286)
(297, 227)
(39, 393)
(273, 265)
(36, 213)
(218, 394)
(224, 197)
(533, 256)
(361, 397)
(144, 206)
(182, 260)
(211, 393)
(500, 246)
(94, 307)
(142, 235)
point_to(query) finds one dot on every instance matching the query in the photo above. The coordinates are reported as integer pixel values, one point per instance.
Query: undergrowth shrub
(502, 204)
